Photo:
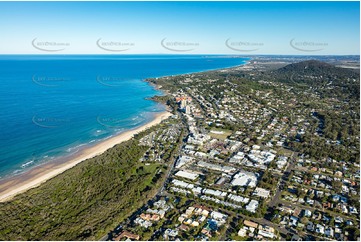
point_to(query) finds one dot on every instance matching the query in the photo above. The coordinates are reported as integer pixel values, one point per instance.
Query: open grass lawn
(218, 133)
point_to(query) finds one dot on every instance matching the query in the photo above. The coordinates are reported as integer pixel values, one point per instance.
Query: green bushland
(84, 202)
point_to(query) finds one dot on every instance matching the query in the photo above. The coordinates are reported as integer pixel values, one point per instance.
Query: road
(276, 198)
(162, 188)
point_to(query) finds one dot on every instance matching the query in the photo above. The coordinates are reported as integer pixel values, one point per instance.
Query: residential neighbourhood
(240, 172)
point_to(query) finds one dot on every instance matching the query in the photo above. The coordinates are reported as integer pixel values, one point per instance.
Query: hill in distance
(314, 67)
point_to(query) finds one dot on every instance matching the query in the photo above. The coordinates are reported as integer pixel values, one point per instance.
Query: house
(307, 213)
(218, 216)
(340, 237)
(326, 219)
(344, 208)
(287, 209)
(204, 208)
(338, 173)
(293, 221)
(242, 232)
(190, 210)
(310, 226)
(184, 227)
(194, 224)
(317, 215)
(155, 217)
(310, 201)
(266, 228)
(343, 199)
(260, 192)
(320, 229)
(338, 220)
(329, 232)
(336, 198)
(202, 219)
(143, 223)
(206, 232)
(252, 206)
(170, 233)
(349, 223)
(250, 224)
(327, 205)
(266, 234)
(297, 212)
(188, 221)
(127, 235)
(284, 220)
(181, 218)
(353, 210)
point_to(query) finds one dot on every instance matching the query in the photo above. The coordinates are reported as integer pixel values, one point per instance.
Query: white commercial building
(179, 183)
(214, 192)
(245, 178)
(186, 174)
(227, 169)
(182, 160)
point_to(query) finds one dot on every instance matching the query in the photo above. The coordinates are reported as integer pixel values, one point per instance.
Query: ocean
(52, 106)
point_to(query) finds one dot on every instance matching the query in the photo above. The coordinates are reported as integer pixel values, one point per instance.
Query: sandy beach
(38, 175)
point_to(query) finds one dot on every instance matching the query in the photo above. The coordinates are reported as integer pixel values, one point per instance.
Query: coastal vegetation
(87, 201)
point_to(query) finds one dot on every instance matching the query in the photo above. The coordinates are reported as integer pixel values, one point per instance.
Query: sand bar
(14, 185)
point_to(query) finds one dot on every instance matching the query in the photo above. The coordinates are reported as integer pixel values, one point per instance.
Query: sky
(240, 28)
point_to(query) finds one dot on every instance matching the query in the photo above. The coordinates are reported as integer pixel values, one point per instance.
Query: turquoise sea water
(51, 106)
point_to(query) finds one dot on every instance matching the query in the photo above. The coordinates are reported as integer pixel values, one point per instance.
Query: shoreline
(10, 187)
(14, 185)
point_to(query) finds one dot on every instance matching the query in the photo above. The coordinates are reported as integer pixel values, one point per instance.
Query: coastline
(13, 186)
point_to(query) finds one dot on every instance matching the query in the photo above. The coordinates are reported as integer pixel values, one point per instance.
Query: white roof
(238, 198)
(252, 206)
(186, 174)
(183, 160)
(218, 215)
(266, 234)
(244, 178)
(214, 192)
(182, 184)
(260, 192)
(197, 190)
